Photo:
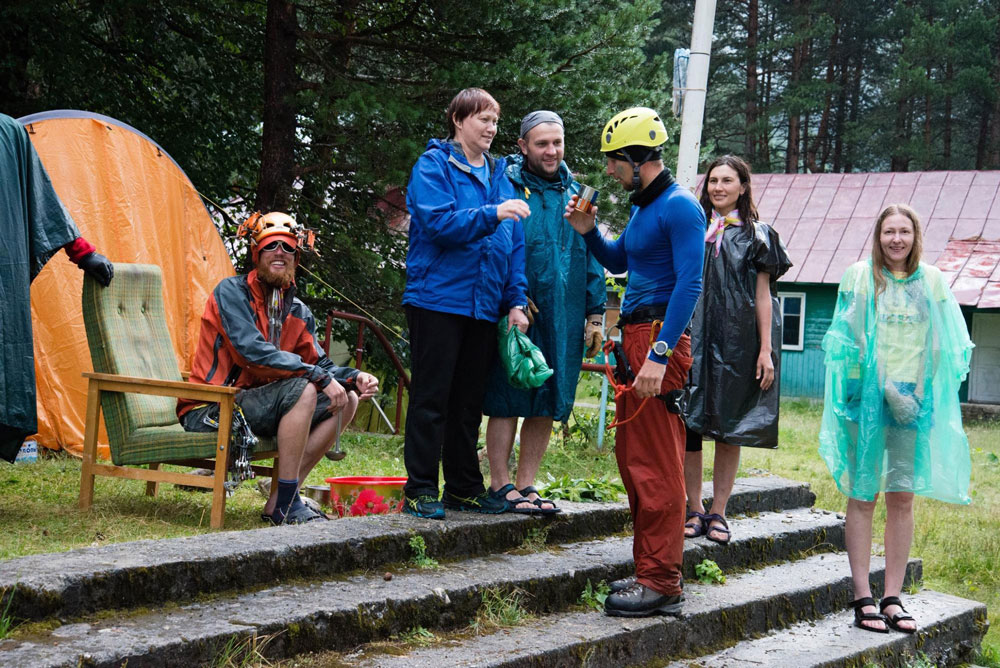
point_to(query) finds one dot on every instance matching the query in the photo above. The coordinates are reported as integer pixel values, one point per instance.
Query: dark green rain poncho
(565, 282)
(34, 225)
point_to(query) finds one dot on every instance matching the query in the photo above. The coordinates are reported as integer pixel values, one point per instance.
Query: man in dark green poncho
(34, 225)
(566, 284)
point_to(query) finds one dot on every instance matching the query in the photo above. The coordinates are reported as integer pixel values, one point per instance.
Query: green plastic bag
(523, 362)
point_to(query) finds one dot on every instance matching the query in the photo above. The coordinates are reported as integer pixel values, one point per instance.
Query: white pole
(694, 96)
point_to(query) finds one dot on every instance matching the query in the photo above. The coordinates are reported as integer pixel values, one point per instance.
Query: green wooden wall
(802, 371)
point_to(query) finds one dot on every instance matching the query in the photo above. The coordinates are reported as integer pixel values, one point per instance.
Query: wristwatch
(662, 349)
(521, 307)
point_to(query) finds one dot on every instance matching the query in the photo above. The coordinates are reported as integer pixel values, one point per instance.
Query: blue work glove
(98, 267)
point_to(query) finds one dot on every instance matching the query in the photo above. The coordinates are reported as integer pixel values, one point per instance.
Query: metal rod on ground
(382, 413)
(604, 391)
(694, 96)
(336, 454)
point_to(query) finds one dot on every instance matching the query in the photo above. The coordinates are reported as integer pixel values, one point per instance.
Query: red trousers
(650, 454)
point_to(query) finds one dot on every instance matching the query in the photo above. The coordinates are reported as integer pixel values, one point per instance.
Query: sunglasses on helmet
(273, 246)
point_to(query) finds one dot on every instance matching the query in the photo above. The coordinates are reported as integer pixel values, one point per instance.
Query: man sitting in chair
(257, 336)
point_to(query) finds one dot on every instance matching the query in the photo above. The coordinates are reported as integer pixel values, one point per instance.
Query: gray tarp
(33, 226)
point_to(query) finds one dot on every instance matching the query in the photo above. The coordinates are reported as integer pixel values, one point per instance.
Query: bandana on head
(718, 226)
(537, 118)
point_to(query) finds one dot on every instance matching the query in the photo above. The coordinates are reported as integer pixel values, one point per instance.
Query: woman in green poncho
(896, 352)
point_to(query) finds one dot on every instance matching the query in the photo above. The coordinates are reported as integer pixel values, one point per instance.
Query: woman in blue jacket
(464, 270)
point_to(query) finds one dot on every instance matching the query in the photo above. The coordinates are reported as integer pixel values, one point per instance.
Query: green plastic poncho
(891, 417)
(34, 225)
(567, 285)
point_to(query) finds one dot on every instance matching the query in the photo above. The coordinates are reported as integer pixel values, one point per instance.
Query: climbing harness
(622, 378)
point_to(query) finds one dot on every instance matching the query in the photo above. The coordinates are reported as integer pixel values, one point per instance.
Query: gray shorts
(263, 407)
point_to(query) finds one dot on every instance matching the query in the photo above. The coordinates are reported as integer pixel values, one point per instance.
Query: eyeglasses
(273, 246)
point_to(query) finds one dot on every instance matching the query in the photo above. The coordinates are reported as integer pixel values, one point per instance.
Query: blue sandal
(724, 529)
(501, 495)
(699, 528)
(539, 501)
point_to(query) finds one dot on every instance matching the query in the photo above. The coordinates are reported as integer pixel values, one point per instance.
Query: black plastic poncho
(34, 225)
(724, 401)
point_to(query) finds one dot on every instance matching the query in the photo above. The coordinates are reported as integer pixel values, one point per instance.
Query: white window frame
(802, 320)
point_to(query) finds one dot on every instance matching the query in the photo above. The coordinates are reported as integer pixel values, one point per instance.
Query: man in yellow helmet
(661, 248)
(258, 336)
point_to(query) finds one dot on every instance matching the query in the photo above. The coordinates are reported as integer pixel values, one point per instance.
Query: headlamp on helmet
(262, 229)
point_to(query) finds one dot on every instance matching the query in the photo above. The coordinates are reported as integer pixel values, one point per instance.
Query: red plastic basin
(366, 495)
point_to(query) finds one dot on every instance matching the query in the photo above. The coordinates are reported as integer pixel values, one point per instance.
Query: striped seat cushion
(162, 444)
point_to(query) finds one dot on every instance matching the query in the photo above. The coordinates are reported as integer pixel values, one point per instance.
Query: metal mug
(586, 198)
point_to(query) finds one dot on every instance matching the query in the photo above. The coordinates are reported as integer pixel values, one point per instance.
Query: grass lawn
(38, 501)
(960, 545)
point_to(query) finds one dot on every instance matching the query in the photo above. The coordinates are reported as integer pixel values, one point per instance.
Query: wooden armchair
(136, 384)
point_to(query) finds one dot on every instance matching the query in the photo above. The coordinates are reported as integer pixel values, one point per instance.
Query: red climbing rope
(619, 389)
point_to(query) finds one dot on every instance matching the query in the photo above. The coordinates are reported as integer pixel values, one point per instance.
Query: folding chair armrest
(107, 382)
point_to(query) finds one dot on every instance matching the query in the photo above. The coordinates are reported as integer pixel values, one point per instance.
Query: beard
(272, 279)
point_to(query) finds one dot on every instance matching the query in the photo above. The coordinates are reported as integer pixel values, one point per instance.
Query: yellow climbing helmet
(638, 126)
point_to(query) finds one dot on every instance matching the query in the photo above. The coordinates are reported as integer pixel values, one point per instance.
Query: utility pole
(694, 97)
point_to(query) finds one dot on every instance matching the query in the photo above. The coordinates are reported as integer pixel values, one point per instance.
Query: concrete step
(950, 630)
(345, 611)
(714, 616)
(154, 572)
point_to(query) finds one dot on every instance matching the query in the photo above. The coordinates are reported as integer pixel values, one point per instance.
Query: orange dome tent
(135, 204)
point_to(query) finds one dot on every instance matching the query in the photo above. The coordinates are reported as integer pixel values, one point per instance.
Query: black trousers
(451, 356)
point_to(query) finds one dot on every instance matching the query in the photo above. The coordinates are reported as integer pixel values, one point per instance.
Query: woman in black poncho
(732, 396)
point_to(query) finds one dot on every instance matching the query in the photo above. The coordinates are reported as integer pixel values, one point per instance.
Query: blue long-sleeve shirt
(661, 248)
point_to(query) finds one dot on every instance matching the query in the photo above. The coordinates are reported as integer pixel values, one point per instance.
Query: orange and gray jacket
(233, 347)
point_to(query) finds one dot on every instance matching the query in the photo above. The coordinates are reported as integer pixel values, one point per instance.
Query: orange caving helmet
(262, 229)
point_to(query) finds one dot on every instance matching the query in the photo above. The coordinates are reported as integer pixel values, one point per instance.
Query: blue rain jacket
(462, 260)
(565, 282)
(891, 418)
